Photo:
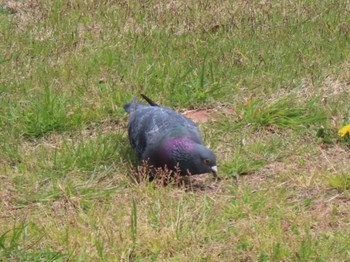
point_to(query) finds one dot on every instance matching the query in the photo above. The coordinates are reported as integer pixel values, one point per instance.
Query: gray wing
(149, 125)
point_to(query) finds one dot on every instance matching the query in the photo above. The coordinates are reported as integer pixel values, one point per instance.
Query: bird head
(202, 160)
(193, 158)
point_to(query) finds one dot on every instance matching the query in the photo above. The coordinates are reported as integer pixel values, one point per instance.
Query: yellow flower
(344, 130)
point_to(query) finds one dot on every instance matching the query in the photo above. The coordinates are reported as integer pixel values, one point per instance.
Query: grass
(276, 74)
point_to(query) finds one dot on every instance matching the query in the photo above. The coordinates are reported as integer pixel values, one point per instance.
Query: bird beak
(214, 169)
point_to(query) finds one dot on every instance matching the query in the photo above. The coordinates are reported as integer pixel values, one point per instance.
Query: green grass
(275, 75)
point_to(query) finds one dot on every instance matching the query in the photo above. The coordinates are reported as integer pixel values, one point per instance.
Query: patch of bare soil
(21, 8)
(12, 6)
(200, 115)
(204, 115)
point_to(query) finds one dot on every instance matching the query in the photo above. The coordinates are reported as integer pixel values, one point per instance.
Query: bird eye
(207, 161)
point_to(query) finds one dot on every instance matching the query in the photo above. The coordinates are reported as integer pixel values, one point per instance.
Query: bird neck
(176, 145)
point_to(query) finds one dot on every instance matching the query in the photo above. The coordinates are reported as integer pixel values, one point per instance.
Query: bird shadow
(201, 183)
(164, 177)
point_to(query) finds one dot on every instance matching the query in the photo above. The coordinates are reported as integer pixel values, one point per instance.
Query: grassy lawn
(275, 79)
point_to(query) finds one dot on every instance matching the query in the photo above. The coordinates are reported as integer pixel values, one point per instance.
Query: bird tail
(149, 100)
(131, 107)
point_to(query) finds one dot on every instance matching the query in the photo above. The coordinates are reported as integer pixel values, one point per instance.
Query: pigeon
(164, 138)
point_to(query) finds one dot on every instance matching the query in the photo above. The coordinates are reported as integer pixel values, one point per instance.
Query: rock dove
(166, 138)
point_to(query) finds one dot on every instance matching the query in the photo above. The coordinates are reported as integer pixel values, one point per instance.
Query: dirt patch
(200, 115)
(13, 6)
(208, 114)
(19, 8)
